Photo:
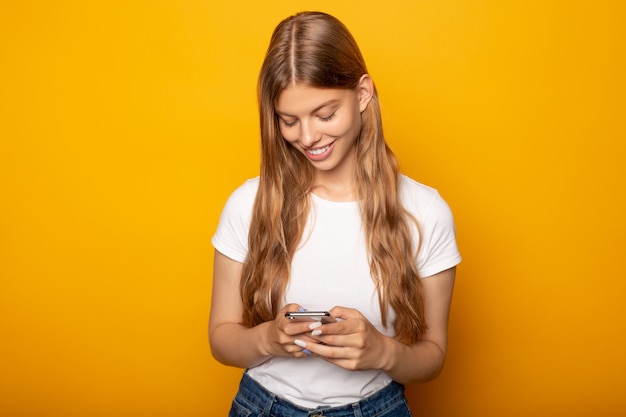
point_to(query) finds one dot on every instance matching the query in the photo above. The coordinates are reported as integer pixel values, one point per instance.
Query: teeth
(318, 151)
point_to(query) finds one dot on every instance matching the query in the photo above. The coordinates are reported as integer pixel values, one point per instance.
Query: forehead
(303, 99)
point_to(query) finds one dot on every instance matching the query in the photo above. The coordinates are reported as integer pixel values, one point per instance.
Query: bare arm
(355, 344)
(234, 344)
(424, 360)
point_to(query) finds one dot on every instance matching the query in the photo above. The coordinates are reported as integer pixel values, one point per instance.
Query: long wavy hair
(316, 49)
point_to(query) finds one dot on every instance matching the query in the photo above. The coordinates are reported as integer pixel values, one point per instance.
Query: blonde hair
(316, 49)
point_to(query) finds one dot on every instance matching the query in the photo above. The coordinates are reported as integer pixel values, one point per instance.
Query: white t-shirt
(330, 268)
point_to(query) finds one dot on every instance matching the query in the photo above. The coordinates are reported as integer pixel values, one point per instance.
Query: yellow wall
(124, 125)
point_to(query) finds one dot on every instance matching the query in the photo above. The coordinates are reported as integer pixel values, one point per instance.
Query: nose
(308, 134)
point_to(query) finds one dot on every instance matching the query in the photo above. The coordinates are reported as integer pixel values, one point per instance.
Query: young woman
(330, 224)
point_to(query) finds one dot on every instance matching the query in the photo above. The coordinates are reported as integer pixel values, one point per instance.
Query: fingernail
(315, 324)
(316, 332)
(302, 344)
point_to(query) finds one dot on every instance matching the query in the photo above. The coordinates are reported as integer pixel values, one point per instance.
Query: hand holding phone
(323, 316)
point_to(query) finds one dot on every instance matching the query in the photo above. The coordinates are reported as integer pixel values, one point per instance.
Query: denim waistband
(253, 394)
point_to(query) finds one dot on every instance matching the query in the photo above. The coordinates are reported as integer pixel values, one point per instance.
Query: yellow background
(124, 126)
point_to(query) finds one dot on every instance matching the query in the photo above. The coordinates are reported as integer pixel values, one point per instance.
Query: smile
(318, 151)
(320, 154)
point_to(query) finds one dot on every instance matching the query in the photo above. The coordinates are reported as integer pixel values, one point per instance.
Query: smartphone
(323, 316)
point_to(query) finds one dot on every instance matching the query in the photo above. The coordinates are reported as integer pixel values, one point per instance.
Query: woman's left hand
(352, 343)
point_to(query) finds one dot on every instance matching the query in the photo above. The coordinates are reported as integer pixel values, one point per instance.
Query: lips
(318, 151)
(319, 154)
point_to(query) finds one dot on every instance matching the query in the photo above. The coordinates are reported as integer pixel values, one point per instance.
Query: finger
(297, 351)
(336, 341)
(294, 328)
(307, 348)
(303, 345)
(344, 313)
(342, 327)
(325, 351)
(290, 307)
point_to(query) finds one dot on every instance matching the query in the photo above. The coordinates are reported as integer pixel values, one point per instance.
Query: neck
(339, 182)
(335, 187)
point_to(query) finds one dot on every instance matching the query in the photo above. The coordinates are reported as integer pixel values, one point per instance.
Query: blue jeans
(252, 400)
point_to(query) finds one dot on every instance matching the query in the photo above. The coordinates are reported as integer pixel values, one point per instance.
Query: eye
(328, 118)
(288, 123)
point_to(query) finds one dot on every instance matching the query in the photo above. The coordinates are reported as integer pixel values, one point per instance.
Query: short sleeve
(438, 250)
(231, 236)
(436, 236)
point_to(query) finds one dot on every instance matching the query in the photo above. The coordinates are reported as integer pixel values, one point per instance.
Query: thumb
(344, 313)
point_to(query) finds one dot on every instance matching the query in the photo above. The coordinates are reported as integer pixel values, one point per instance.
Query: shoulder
(231, 236)
(243, 196)
(247, 190)
(419, 199)
(410, 187)
(238, 208)
(438, 250)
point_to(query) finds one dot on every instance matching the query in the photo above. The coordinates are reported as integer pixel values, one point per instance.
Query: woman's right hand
(282, 333)
(234, 344)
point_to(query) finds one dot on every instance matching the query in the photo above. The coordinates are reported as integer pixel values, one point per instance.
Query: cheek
(349, 126)
(345, 125)
(288, 135)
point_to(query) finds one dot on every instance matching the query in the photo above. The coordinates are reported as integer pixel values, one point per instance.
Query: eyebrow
(318, 108)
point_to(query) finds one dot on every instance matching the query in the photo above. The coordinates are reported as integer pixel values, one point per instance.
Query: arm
(234, 344)
(355, 344)
(424, 360)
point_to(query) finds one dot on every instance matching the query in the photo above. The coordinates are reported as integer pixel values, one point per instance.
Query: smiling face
(324, 123)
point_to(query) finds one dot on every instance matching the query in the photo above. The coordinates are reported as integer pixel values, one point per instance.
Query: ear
(365, 91)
